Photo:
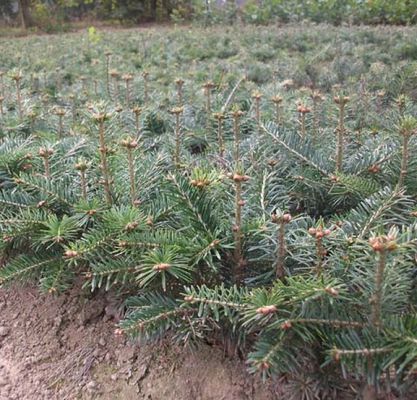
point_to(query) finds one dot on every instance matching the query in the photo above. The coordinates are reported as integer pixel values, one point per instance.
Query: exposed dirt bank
(65, 348)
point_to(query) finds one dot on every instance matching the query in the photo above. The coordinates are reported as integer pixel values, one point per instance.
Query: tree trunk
(22, 14)
(154, 4)
(166, 4)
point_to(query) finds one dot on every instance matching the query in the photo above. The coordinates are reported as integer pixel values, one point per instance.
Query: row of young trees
(276, 218)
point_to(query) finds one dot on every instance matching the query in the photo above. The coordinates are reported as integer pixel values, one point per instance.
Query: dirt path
(64, 348)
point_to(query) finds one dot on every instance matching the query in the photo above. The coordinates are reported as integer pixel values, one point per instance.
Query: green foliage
(52, 16)
(255, 238)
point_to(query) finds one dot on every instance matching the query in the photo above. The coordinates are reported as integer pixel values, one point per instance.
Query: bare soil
(65, 348)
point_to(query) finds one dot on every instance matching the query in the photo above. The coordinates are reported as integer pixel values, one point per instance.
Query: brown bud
(81, 166)
(137, 110)
(209, 85)
(100, 117)
(341, 99)
(391, 245)
(219, 116)
(41, 204)
(7, 238)
(286, 325)
(131, 226)
(377, 246)
(332, 291)
(264, 366)
(127, 77)
(266, 310)
(118, 332)
(237, 114)
(59, 111)
(161, 267)
(374, 169)
(26, 166)
(70, 254)
(276, 99)
(177, 110)
(257, 95)
(45, 152)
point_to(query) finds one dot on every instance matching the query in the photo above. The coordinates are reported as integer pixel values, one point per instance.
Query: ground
(65, 348)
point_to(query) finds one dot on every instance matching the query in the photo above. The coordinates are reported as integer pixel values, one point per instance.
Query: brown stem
(208, 102)
(281, 253)
(127, 93)
(83, 185)
(258, 112)
(340, 136)
(46, 166)
(237, 231)
(1, 84)
(236, 129)
(116, 87)
(19, 99)
(32, 123)
(131, 175)
(83, 85)
(137, 123)
(303, 126)
(377, 298)
(58, 81)
(180, 98)
(320, 252)
(277, 113)
(220, 137)
(108, 74)
(74, 111)
(359, 136)
(315, 121)
(404, 160)
(177, 140)
(104, 165)
(146, 89)
(61, 126)
(208, 108)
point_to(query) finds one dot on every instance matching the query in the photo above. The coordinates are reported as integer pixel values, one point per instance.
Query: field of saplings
(254, 188)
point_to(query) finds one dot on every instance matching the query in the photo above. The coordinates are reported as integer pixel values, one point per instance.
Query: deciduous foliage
(47, 14)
